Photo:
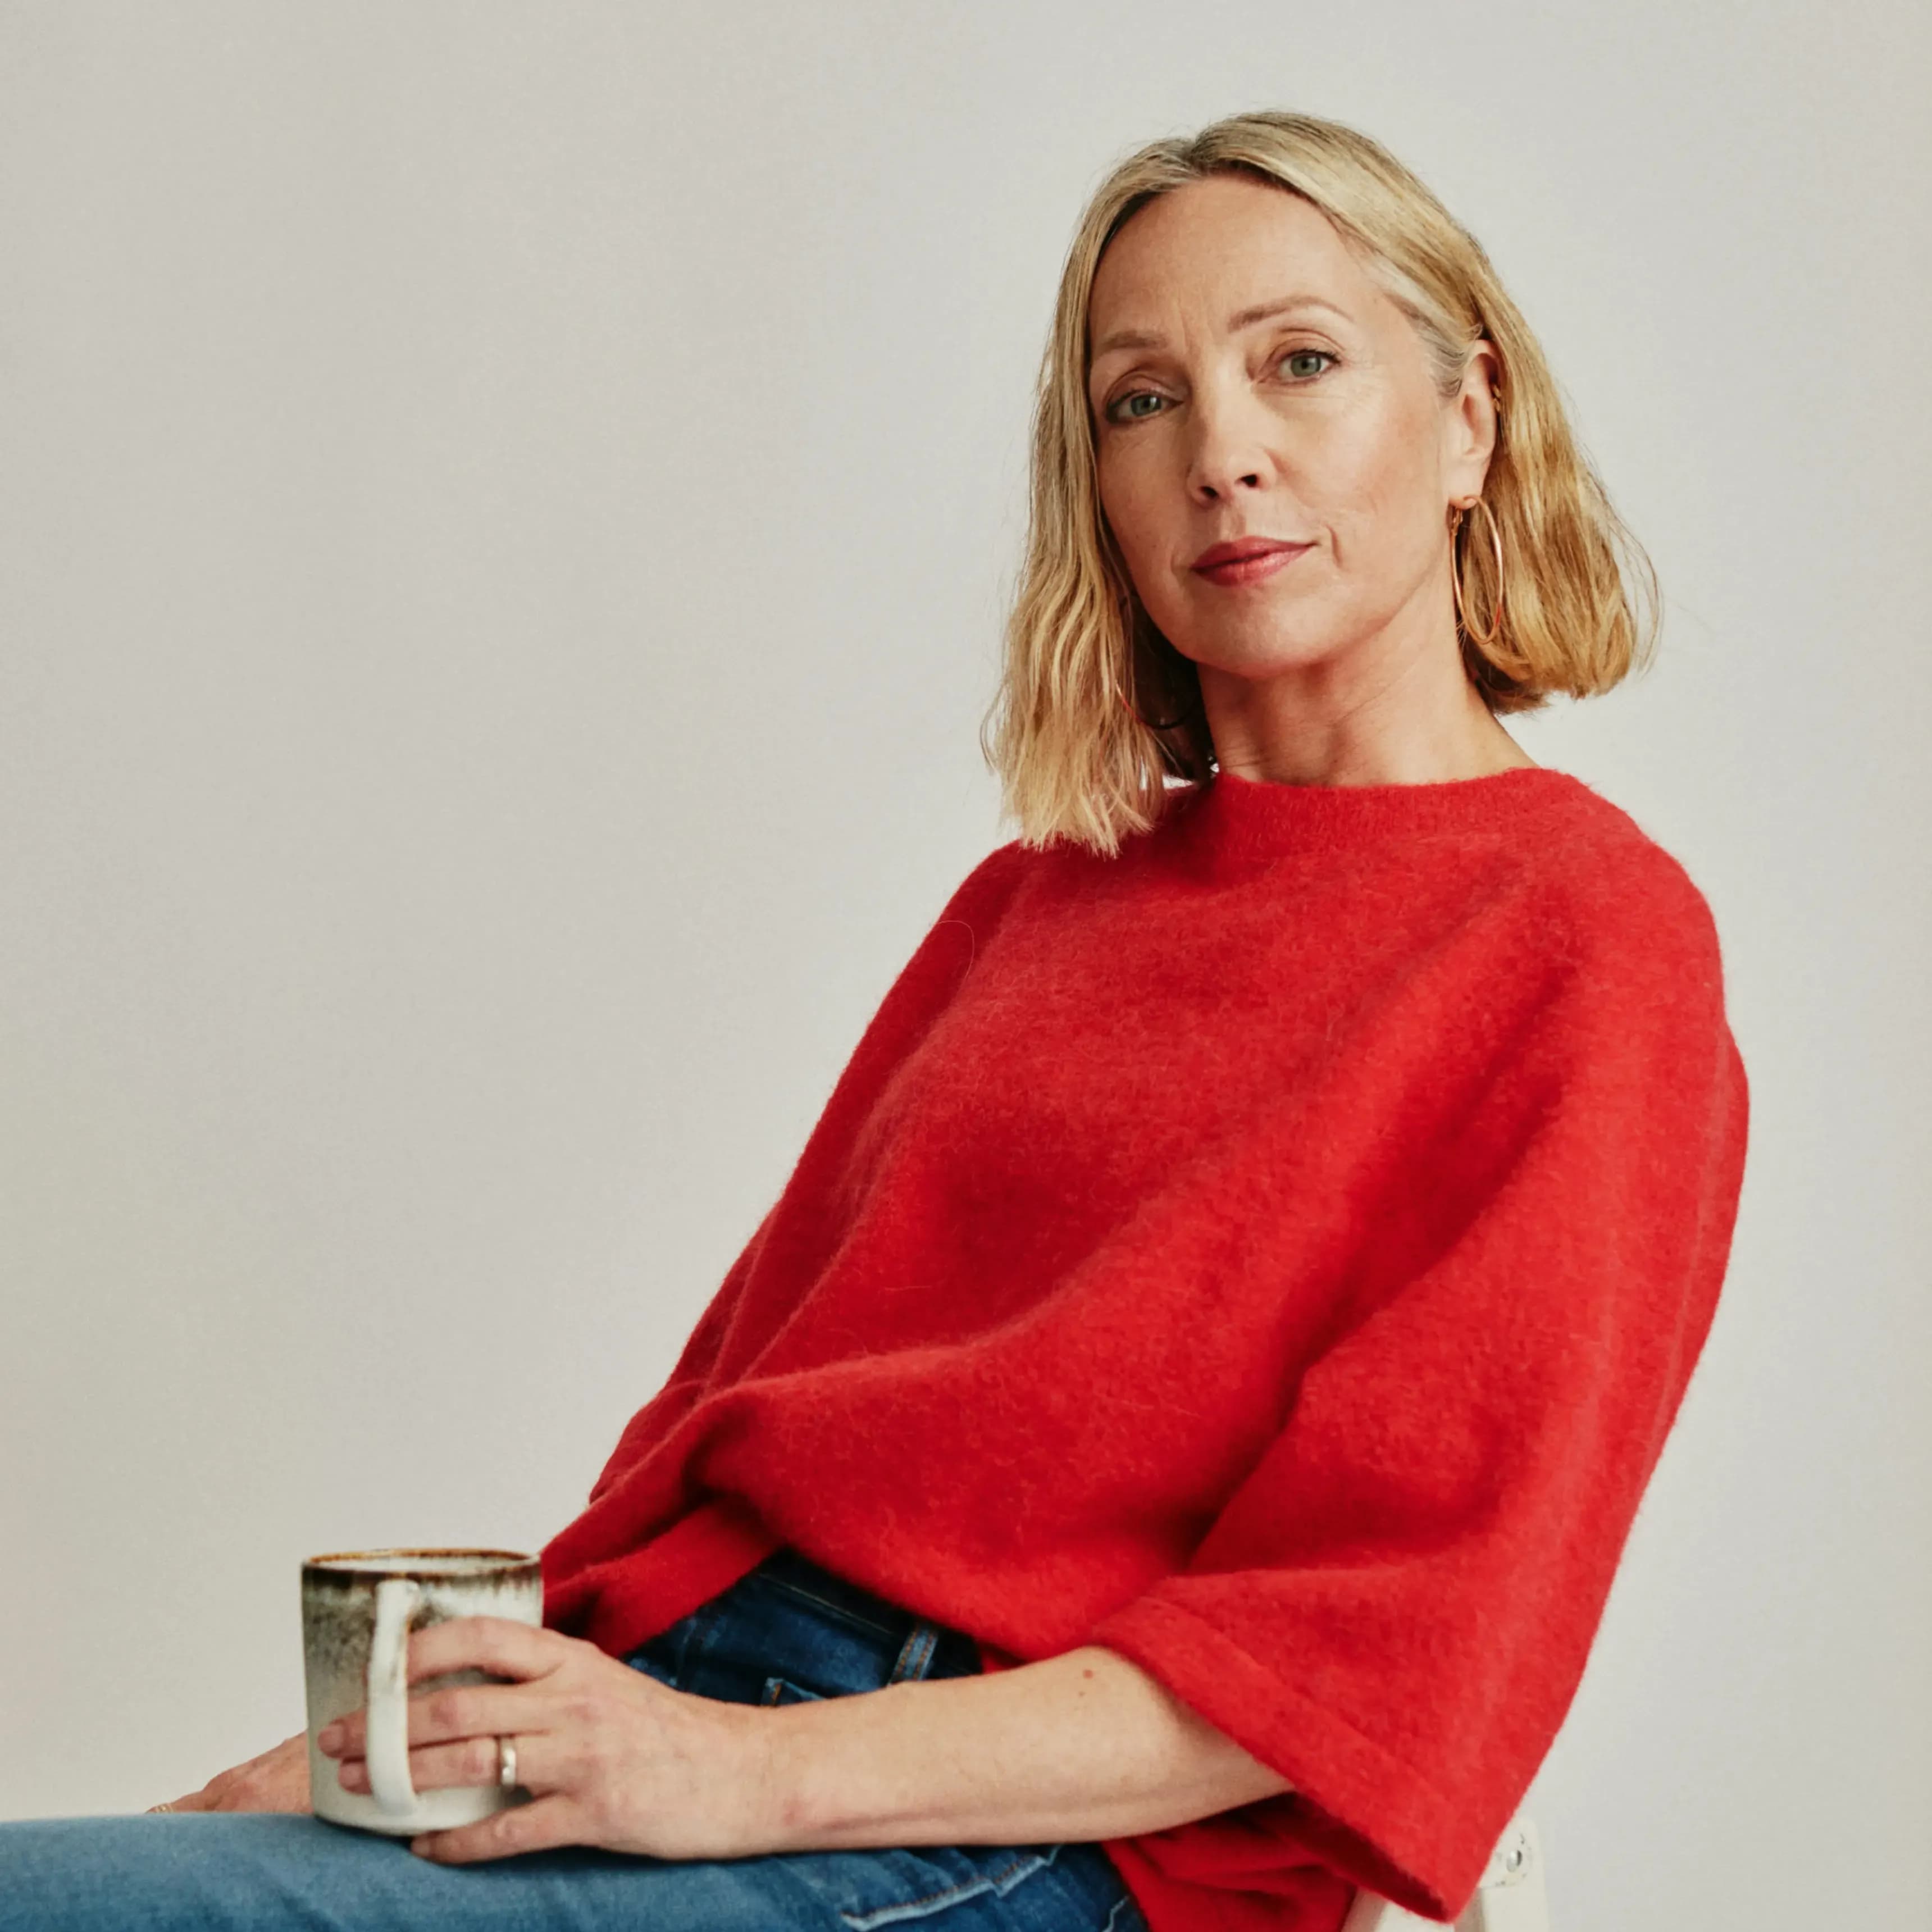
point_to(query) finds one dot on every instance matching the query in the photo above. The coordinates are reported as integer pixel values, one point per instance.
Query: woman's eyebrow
(1138, 338)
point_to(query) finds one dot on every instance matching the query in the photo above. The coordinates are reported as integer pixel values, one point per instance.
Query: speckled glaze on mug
(358, 1607)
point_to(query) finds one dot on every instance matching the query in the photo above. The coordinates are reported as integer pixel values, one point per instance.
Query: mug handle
(387, 1743)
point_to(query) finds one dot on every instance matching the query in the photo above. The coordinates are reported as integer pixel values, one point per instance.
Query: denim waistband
(790, 1627)
(792, 1570)
(927, 1647)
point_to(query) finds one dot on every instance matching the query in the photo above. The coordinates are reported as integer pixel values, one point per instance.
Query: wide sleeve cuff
(1379, 1822)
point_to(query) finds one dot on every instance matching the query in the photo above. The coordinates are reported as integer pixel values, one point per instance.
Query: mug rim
(393, 1562)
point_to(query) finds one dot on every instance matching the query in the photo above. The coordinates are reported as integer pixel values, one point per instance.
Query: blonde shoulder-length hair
(1097, 715)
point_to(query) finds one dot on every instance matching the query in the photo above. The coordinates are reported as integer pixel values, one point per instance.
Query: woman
(1205, 1363)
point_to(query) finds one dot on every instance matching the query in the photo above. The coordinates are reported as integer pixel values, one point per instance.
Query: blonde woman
(1201, 1371)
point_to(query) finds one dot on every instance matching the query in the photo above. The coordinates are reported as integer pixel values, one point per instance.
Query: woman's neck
(1425, 724)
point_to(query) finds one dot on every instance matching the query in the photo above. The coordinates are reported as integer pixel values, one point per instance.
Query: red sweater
(1277, 1253)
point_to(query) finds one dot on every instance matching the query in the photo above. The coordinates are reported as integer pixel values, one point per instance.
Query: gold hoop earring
(1495, 628)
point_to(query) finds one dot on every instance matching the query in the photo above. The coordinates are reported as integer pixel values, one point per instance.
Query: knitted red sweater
(1276, 1252)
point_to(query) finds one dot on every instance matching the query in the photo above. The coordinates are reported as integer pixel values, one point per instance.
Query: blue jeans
(787, 1630)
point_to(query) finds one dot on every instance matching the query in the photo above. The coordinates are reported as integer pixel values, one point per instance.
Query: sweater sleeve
(1394, 1607)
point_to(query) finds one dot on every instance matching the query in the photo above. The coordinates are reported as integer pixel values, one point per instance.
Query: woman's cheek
(1145, 540)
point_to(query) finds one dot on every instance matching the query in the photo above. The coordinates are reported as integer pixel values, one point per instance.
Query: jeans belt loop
(915, 1656)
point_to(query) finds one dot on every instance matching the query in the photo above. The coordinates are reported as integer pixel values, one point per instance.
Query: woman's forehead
(1236, 262)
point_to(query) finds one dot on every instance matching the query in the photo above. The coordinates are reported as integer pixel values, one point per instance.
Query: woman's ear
(1473, 425)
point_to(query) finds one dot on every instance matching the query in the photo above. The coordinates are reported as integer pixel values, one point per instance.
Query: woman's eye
(1122, 408)
(1120, 411)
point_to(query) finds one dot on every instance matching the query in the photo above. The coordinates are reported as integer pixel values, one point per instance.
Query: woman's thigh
(209, 1872)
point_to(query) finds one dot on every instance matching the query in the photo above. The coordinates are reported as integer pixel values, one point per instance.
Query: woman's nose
(1224, 451)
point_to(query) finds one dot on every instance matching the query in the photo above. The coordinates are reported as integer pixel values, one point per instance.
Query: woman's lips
(1251, 569)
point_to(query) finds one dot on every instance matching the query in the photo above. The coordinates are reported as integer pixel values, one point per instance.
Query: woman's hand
(611, 1756)
(277, 1780)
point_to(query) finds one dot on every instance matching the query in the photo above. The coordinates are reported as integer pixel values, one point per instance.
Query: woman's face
(1248, 379)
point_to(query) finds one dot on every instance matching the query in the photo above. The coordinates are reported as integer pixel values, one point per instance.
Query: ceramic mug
(359, 1609)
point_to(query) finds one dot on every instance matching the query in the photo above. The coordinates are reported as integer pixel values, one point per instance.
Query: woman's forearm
(1086, 1745)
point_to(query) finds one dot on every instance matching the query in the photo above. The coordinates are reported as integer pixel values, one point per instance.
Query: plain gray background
(505, 515)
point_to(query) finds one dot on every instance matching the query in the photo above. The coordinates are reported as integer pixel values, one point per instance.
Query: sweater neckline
(1233, 816)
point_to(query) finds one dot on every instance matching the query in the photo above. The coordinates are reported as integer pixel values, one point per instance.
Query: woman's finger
(470, 1761)
(522, 1827)
(494, 1644)
(456, 1711)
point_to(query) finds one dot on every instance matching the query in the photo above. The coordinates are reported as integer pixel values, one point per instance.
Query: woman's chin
(1254, 655)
